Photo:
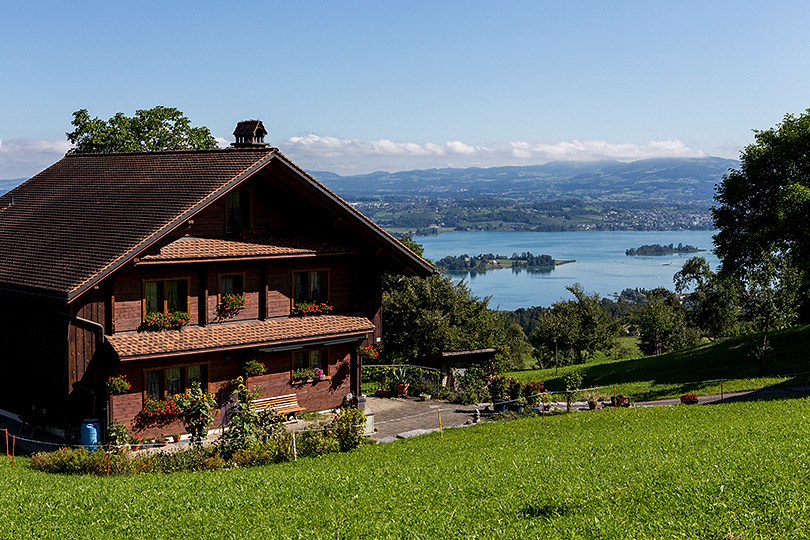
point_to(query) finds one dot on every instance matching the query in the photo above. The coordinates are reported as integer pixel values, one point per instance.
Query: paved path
(401, 417)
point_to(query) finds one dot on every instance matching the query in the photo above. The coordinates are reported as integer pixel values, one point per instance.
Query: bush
(349, 425)
(316, 442)
(80, 461)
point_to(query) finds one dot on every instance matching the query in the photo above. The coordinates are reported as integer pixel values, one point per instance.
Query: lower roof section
(238, 335)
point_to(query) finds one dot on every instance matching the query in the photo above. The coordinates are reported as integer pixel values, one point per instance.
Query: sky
(353, 87)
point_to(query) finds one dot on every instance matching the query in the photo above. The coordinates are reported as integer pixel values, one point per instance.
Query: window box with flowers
(156, 321)
(118, 385)
(308, 375)
(160, 409)
(311, 308)
(231, 305)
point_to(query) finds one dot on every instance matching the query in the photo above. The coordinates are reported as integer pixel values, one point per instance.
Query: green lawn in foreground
(729, 360)
(737, 470)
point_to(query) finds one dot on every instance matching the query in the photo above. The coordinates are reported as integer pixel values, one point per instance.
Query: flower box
(308, 375)
(231, 304)
(165, 321)
(311, 308)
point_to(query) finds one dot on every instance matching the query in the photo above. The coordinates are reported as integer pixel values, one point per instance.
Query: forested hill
(670, 180)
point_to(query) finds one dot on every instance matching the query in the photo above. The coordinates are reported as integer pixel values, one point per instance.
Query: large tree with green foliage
(713, 306)
(574, 330)
(424, 316)
(770, 292)
(150, 130)
(661, 323)
(764, 205)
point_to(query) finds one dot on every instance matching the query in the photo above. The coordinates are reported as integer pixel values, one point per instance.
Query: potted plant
(135, 442)
(175, 437)
(252, 368)
(593, 399)
(161, 440)
(368, 352)
(401, 380)
(689, 399)
(118, 384)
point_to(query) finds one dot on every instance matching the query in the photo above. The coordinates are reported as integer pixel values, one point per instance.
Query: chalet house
(98, 248)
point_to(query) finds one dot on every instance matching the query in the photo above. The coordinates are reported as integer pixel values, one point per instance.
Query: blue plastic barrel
(89, 433)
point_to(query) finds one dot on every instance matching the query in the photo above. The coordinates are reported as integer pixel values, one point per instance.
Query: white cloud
(28, 147)
(23, 158)
(351, 156)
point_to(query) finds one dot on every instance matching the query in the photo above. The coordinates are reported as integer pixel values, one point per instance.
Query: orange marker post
(544, 405)
(440, 422)
(13, 448)
(615, 399)
(6, 442)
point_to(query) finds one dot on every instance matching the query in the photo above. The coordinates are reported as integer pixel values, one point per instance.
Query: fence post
(6, 442)
(13, 449)
(440, 422)
(721, 391)
(109, 452)
(544, 405)
(615, 399)
(295, 451)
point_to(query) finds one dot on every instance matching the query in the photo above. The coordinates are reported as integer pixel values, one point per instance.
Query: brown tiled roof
(82, 218)
(88, 213)
(190, 248)
(194, 339)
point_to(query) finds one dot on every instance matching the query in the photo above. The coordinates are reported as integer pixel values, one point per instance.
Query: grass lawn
(738, 470)
(729, 360)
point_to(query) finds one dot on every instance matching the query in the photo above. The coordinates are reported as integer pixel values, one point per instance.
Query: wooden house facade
(96, 244)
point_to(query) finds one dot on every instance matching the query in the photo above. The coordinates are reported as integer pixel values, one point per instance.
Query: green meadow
(737, 470)
(697, 371)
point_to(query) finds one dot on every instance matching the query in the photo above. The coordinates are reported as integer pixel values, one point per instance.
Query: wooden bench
(285, 405)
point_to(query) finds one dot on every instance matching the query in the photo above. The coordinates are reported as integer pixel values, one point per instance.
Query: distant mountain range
(667, 180)
(8, 185)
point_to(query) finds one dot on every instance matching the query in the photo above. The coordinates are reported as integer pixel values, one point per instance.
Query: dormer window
(311, 286)
(237, 211)
(165, 296)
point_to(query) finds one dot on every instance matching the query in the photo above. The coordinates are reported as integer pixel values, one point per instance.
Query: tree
(428, 315)
(763, 205)
(661, 321)
(575, 329)
(770, 296)
(150, 130)
(713, 307)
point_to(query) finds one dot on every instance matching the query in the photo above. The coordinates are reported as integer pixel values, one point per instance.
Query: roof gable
(87, 212)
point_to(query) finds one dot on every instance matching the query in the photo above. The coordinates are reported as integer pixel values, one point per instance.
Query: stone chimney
(249, 134)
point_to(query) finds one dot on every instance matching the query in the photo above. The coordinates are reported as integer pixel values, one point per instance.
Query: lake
(601, 265)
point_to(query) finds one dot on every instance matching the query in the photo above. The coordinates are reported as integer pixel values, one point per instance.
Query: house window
(311, 286)
(160, 383)
(309, 359)
(231, 284)
(165, 296)
(237, 211)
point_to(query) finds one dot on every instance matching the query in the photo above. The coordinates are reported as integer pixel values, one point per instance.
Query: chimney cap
(249, 134)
